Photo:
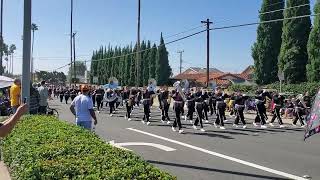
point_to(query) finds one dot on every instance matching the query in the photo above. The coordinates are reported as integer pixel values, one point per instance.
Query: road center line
(287, 175)
(159, 146)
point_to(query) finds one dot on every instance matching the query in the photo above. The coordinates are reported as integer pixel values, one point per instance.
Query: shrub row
(292, 88)
(43, 147)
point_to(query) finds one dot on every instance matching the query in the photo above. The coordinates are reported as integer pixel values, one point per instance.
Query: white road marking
(112, 143)
(273, 171)
(159, 146)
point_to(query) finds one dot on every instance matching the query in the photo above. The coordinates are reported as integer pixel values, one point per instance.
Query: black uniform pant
(240, 116)
(221, 115)
(178, 110)
(94, 101)
(261, 115)
(111, 106)
(298, 116)
(199, 109)
(164, 111)
(99, 102)
(277, 115)
(72, 97)
(205, 111)
(214, 107)
(61, 98)
(66, 97)
(146, 111)
(129, 109)
(191, 110)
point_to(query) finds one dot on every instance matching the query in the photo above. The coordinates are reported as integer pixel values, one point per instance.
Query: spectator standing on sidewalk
(44, 94)
(82, 108)
(15, 95)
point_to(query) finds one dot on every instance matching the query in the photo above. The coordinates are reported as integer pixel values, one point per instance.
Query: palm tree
(34, 27)
(12, 48)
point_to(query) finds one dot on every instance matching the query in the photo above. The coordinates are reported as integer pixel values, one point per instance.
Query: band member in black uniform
(278, 101)
(146, 95)
(199, 103)
(190, 105)
(128, 99)
(205, 98)
(93, 96)
(99, 92)
(61, 94)
(178, 107)
(299, 111)
(239, 101)
(212, 103)
(110, 97)
(67, 95)
(260, 100)
(221, 108)
(307, 101)
(165, 101)
(159, 97)
(73, 93)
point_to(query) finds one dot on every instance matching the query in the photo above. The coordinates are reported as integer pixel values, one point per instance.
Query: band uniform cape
(313, 120)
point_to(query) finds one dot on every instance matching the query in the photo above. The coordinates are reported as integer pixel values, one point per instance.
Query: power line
(269, 12)
(183, 32)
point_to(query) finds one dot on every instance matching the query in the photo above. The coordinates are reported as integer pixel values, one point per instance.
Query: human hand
(22, 109)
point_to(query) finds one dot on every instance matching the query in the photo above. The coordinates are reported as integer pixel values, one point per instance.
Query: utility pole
(71, 31)
(180, 52)
(138, 47)
(1, 38)
(207, 22)
(74, 58)
(26, 51)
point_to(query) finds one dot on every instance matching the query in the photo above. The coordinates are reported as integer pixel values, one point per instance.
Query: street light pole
(1, 38)
(138, 47)
(207, 22)
(26, 51)
(74, 58)
(180, 52)
(71, 31)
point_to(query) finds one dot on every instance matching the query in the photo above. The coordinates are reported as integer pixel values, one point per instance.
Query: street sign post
(281, 78)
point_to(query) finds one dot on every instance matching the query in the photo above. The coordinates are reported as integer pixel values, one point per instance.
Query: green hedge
(45, 148)
(292, 88)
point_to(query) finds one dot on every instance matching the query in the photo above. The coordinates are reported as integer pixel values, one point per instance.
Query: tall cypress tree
(313, 67)
(146, 64)
(163, 69)
(142, 62)
(266, 50)
(293, 56)
(153, 61)
(133, 67)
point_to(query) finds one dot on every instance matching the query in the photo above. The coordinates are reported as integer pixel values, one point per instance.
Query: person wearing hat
(82, 108)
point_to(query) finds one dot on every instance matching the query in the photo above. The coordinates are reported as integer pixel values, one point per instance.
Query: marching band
(199, 102)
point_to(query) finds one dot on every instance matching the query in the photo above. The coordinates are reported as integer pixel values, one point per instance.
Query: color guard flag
(313, 120)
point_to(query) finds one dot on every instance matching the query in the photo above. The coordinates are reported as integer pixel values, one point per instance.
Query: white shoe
(185, 118)
(202, 130)
(255, 124)
(271, 124)
(282, 126)
(264, 127)
(129, 119)
(148, 123)
(191, 121)
(98, 112)
(173, 129)
(303, 126)
(182, 117)
(195, 127)
(294, 125)
(244, 127)
(162, 121)
(143, 122)
(206, 121)
(111, 115)
(225, 120)
(234, 125)
(222, 127)
(267, 122)
(168, 122)
(181, 131)
(215, 125)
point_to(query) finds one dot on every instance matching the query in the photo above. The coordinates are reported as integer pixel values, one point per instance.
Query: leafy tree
(163, 69)
(293, 56)
(80, 69)
(152, 61)
(313, 67)
(266, 50)
(51, 77)
(146, 64)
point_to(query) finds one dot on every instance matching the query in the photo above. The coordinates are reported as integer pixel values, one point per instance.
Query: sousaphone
(113, 83)
(111, 95)
(152, 85)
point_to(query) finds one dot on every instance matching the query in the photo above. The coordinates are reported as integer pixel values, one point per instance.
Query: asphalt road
(234, 153)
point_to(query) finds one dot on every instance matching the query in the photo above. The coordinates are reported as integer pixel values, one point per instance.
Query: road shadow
(216, 170)
(228, 132)
(210, 135)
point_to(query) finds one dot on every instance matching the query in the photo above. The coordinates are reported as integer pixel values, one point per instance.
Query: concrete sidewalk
(4, 173)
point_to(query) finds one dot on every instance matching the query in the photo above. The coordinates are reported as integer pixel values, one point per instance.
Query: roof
(204, 70)
(248, 73)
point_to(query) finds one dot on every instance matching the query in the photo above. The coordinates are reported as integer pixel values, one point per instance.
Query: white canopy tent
(5, 82)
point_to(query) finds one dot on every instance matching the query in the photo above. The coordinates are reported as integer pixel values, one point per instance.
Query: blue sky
(100, 22)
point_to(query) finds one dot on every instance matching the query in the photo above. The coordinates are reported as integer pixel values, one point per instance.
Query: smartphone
(24, 100)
